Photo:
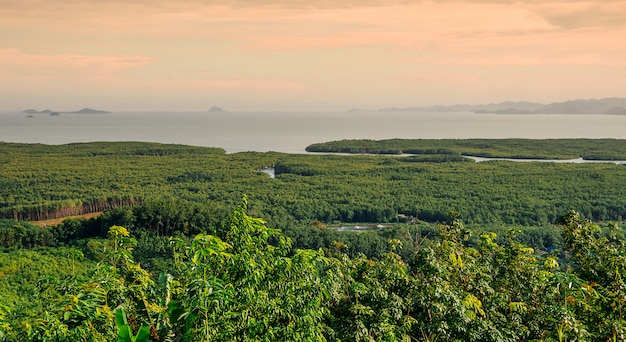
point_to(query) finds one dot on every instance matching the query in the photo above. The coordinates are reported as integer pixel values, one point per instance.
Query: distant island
(54, 112)
(216, 109)
(611, 106)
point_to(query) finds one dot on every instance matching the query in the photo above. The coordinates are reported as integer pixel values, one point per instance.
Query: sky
(304, 55)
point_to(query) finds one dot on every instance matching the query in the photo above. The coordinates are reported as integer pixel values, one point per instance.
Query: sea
(292, 132)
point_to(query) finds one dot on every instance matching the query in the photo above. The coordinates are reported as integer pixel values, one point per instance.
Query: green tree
(247, 286)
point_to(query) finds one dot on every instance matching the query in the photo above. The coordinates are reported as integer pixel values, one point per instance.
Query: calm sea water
(291, 132)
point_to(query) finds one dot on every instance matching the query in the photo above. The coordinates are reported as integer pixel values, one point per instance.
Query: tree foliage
(246, 282)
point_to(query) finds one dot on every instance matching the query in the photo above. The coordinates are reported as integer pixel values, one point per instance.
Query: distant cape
(612, 105)
(56, 112)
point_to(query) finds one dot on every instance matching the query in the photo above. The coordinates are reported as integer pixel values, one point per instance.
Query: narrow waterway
(574, 161)
(484, 159)
(272, 173)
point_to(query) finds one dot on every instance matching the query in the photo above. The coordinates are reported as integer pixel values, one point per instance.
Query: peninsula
(610, 106)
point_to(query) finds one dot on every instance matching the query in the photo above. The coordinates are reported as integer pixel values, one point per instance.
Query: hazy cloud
(307, 50)
(16, 61)
(570, 14)
(585, 14)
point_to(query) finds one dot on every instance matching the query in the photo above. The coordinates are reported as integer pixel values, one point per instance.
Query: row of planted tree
(61, 209)
(245, 281)
(155, 220)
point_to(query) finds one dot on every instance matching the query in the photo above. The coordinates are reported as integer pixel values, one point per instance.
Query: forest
(590, 149)
(40, 182)
(193, 244)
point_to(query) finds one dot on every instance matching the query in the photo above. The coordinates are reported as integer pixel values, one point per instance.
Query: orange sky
(306, 55)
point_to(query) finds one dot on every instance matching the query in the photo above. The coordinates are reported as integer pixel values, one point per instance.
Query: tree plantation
(192, 244)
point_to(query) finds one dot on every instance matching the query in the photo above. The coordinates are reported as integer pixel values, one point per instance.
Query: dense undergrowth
(245, 281)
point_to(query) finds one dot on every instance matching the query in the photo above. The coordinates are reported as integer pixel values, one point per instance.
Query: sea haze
(291, 132)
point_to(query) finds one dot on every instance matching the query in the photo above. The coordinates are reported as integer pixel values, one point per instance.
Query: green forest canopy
(592, 149)
(43, 181)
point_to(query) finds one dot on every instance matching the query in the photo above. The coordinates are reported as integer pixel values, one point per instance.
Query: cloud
(304, 49)
(17, 62)
(570, 14)
(584, 14)
(200, 18)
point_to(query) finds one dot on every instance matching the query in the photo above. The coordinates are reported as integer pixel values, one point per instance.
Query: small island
(34, 111)
(216, 109)
(56, 112)
(88, 111)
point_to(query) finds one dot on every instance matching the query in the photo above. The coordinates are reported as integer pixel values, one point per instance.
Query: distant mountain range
(52, 112)
(613, 105)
